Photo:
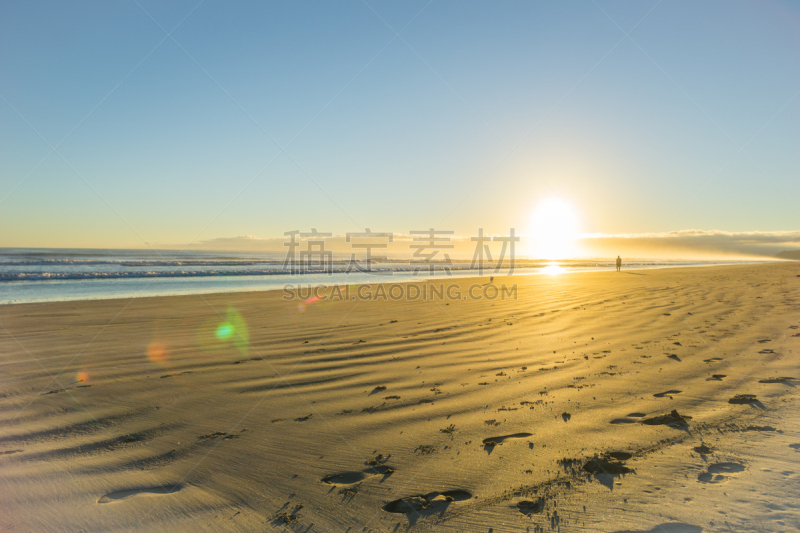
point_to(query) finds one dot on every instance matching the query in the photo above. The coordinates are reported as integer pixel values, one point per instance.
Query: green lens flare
(224, 331)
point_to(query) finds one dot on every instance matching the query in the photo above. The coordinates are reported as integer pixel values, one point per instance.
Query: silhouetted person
(619, 263)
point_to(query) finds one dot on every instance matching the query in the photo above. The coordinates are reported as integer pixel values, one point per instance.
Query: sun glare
(553, 270)
(553, 230)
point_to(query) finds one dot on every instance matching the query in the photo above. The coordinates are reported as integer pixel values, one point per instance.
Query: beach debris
(348, 492)
(378, 460)
(285, 516)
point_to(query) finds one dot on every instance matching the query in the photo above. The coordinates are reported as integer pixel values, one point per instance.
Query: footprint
(673, 420)
(494, 441)
(529, 507)
(703, 449)
(218, 435)
(740, 399)
(608, 464)
(669, 527)
(620, 456)
(173, 375)
(345, 478)
(667, 393)
(147, 491)
(348, 478)
(432, 502)
(719, 472)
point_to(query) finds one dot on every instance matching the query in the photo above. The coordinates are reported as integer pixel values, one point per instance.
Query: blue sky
(257, 118)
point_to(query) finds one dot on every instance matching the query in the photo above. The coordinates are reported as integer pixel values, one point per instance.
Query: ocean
(42, 275)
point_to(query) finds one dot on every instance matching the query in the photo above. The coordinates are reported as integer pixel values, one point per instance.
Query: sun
(553, 230)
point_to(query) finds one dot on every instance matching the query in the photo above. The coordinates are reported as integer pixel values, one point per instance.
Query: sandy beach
(654, 401)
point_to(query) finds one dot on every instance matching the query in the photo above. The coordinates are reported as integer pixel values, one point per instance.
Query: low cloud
(683, 244)
(693, 243)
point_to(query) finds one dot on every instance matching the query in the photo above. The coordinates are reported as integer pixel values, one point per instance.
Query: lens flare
(224, 331)
(157, 352)
(82, 377)
(213, 335)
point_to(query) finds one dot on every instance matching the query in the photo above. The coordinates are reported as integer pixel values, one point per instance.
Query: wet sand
(658, 400)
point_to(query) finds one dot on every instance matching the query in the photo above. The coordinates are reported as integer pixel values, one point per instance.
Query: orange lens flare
(157, 352)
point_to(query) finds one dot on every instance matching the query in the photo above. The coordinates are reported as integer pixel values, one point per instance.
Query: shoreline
(539, 271)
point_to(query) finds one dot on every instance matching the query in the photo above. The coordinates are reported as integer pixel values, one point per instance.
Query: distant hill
(790, 254)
